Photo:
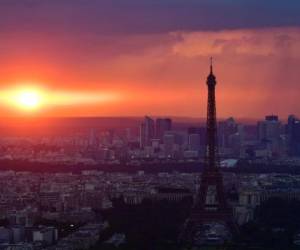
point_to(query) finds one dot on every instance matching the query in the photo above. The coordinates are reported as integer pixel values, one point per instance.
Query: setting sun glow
(38, 100)
(23, 98)
(28, 99)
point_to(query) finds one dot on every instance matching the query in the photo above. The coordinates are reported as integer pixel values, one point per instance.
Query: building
(162, 126)
(169, 144)
(171, 194)
(146, 132)
(47, 235)
(5, 235)
(269, 129)
(225, 130)
(197, 140)
(293, 135)
(18, 233)
(269, 132)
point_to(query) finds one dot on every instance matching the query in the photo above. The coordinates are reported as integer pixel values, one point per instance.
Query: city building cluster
(30, 199)
(160, 140)
(268, 139)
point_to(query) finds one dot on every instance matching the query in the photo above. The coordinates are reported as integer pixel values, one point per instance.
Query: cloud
(257, 71)
(144, 16)
(259, 42)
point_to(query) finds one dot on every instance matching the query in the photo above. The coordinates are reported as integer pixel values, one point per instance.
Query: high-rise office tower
(197, 139)
(269, 129)
(162, 126)
(293, 134)
(225, 130)
(146, 132)
(269, 133)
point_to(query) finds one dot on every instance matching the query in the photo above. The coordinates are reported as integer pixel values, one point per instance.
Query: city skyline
(107, 64)
(149, 124)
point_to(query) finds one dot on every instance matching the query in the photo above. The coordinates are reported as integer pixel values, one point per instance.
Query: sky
(138, 57)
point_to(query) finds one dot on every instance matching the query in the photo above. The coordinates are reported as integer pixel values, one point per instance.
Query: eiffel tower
(210, 205)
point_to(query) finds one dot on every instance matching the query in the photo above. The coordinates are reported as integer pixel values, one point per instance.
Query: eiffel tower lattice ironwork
(210, 204)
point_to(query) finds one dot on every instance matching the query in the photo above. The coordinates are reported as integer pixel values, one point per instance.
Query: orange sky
(162, 73)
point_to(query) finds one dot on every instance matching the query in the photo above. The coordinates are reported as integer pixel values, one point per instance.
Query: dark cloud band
(144, 16)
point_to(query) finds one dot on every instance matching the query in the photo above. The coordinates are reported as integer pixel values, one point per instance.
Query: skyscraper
(225, 130)
(146, 132)
(293, 132)
(269, 129)
(162, 125)
(197, 139)
(269, 132)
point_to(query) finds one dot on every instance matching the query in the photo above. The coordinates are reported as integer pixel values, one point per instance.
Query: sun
(28, 99)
